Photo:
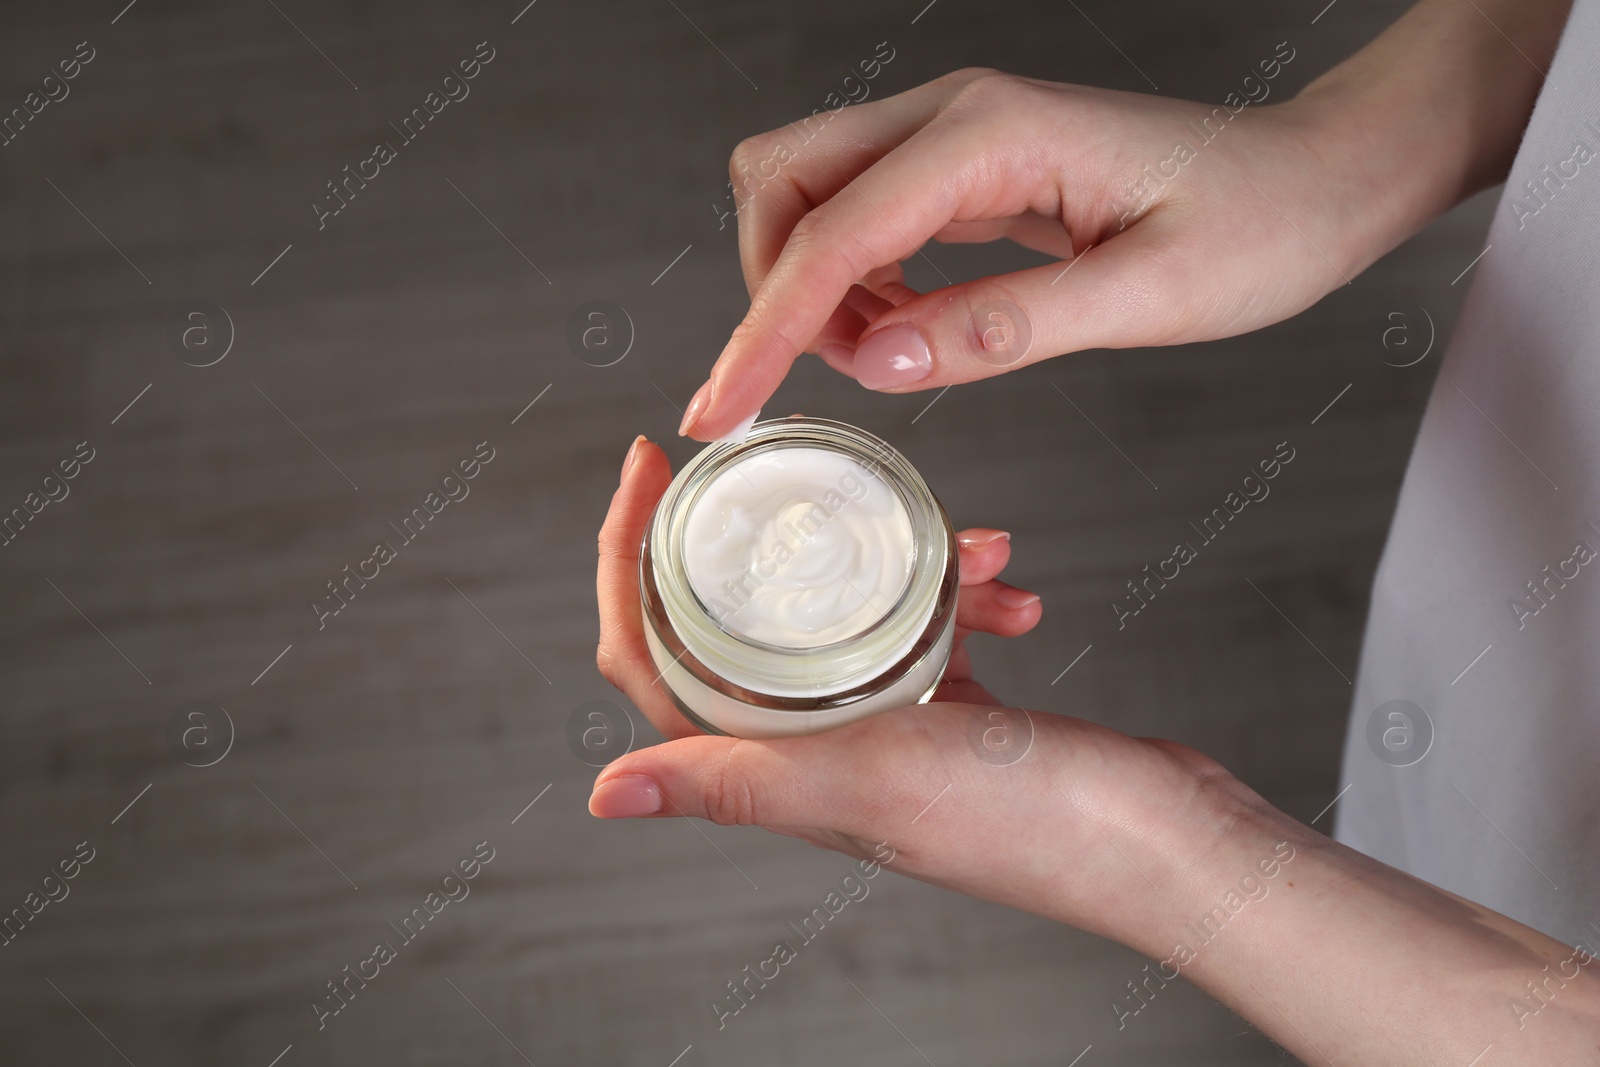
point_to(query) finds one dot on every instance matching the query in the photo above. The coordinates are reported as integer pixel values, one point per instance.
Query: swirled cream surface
(798, 547)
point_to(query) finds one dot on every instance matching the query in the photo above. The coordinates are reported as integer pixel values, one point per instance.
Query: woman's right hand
(1169, 230)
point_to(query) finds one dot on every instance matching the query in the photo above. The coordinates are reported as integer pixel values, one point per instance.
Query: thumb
(728, 780)
(1119, 294)
(851, 780)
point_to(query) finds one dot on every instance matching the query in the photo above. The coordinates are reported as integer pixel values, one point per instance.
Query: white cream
(798, 547)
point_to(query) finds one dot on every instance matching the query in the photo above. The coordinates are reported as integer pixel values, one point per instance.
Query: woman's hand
(1173, 221)
(993, 781)
(1337, 957)
(985, 604)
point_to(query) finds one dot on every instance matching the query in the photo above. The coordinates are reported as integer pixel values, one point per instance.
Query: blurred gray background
(368, 757)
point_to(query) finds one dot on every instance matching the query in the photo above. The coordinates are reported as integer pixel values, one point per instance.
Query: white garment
(1504, 482)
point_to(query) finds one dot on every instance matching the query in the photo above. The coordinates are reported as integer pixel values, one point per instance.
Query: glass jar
(838, 586)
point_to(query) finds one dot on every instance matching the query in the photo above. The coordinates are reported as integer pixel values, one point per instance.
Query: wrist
(1211, 850)
(1429, 113)
(1374, 178)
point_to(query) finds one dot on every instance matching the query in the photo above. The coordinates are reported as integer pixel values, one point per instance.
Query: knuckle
(612, 543)
(843, 243)
(610, 669)
(811, 231)
(767, 321)
(986, 89)
(729, 799)
(958, 79)
(749, 153)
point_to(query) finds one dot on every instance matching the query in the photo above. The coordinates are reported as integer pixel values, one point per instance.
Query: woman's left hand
(962, 789)
(1143, 841)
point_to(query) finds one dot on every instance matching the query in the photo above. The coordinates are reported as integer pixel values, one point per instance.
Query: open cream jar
(798, 580)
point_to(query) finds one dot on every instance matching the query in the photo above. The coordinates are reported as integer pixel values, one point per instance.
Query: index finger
(780, 176)
(883, 216)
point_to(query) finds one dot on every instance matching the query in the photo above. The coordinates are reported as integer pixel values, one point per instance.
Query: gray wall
(426, 716)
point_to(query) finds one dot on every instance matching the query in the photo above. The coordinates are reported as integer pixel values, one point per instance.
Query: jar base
(734, 718)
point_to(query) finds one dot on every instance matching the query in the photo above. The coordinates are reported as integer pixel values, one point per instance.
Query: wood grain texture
(426, 715)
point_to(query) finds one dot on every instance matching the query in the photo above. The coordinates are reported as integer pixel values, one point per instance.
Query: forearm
(1342, 959)
(1430, 112)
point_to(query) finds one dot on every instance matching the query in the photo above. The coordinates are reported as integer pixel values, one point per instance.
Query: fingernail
(979, 538)
(837, 353)
(625, 797)
(894, 357)
(632, 457)
(696, 408)
(1015, 599)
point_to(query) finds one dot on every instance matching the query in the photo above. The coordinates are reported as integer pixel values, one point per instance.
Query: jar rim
(799, 678)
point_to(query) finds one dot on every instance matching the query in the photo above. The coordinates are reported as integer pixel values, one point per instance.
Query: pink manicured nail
(894, 357)
(1015, 599)
(632, 457)
(696, 408)
(625, 797)
(979, 538)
